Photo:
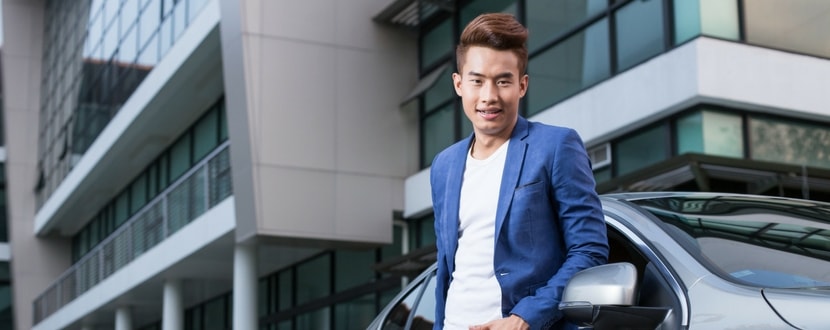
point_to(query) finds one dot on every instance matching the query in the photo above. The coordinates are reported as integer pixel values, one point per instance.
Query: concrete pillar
(245, 287)
(123, 319)
(173, 310)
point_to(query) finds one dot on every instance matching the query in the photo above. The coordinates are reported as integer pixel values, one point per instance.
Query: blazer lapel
(455, 176)
(513, 165)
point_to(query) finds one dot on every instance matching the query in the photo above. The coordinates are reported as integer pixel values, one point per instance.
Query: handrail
(193, 193)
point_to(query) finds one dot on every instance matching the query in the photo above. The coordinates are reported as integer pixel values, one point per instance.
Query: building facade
(218, 164)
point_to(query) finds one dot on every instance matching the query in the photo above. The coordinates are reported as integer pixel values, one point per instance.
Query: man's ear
(456, 82)
(523, 85)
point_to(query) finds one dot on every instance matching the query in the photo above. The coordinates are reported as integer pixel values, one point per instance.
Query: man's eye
(503, 82)
(475, 81)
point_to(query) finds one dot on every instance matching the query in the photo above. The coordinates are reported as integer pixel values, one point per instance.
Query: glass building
(206, 164)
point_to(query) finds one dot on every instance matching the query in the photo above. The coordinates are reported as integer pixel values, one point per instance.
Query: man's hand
(513, 322)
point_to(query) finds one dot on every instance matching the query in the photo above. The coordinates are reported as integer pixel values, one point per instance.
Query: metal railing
(195, 192)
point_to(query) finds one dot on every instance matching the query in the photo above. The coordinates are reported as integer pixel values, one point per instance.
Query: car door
(414, 308)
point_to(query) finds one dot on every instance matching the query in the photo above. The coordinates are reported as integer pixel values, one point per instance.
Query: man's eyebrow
(507, 74)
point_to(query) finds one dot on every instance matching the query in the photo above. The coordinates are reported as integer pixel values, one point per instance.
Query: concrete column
(245, 287)
(123, 319)
(173, 314)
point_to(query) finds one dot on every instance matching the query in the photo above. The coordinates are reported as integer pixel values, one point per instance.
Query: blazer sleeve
(581, 223)
(442, 272)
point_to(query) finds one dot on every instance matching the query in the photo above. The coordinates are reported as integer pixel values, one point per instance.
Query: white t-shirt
(474, 295)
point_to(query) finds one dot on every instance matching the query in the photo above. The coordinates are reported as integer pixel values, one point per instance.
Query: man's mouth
(488, 114)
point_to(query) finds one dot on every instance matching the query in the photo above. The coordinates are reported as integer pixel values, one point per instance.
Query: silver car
(687, 261)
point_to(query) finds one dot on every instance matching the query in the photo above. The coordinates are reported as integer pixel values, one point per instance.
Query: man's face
(490, 87)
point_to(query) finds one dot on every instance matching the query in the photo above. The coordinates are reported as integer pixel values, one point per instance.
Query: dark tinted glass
(759, 241)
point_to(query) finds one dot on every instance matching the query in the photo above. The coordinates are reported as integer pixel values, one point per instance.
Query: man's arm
(581, 223)
(442, 273)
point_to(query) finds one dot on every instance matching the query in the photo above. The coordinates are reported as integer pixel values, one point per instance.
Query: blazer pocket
(535, 185)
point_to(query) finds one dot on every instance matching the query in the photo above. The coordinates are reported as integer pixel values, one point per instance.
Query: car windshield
(759, 241)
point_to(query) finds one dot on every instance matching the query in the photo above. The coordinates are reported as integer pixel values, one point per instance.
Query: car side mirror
(604, 297)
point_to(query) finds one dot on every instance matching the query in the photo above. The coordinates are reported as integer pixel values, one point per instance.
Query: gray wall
(320, 147)
(35, 262)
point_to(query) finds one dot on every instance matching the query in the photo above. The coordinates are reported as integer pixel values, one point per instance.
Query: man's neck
(484, 146)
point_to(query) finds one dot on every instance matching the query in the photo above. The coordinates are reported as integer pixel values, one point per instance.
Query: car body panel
(702, 291)
(802, 308)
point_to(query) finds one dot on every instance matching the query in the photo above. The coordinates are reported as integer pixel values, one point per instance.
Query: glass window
(603, 174)
(719, 18)
(205, 135)
(180, 157)
(95, 32)
(223, 121)
(789, 142)
(138, 193)
(194, 318)
(129, 13)
(394, 249)
(179, 20)
(711, 133)
(424, 317)
(427, 231)
(568, 67)
(353, 268)
(284, 287)
(437, 132)
(436, 43)
(478, 7)
(122, 210)
(148, 35)
(266, 296)
(195, 6)
(762, 242)
(355, 314)
(128, 48)
(639, 32)
(313, 279)
(216, 316)
(440, 92)
(798, 25)
(547, 19)
(165, 36)
(318, 319)
(110, 42)
(686, 20)
(400, 313)
(647, 147)
(164, 171)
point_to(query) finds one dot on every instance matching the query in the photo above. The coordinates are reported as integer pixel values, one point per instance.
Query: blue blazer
(549, 222)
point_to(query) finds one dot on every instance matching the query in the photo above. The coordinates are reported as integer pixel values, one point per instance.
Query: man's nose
(488, 93)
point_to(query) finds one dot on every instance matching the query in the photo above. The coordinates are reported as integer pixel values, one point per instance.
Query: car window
(399, 315)
(765, 243)
(424, 317)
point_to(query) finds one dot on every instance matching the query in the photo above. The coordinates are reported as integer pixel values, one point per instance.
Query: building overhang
(411, 14)
(705, 172)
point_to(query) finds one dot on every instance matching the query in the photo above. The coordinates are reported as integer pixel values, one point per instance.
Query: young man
(516, 212)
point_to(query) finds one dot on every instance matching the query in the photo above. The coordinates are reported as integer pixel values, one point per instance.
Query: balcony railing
(198, 190)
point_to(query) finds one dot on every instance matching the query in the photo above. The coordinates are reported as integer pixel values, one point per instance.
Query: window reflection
(639, 27)
(712, 133)
(799, 25)
(646, 148)
(789, 142)
(548, 19)
(96, 53)
(438, 132)
(568, 67)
